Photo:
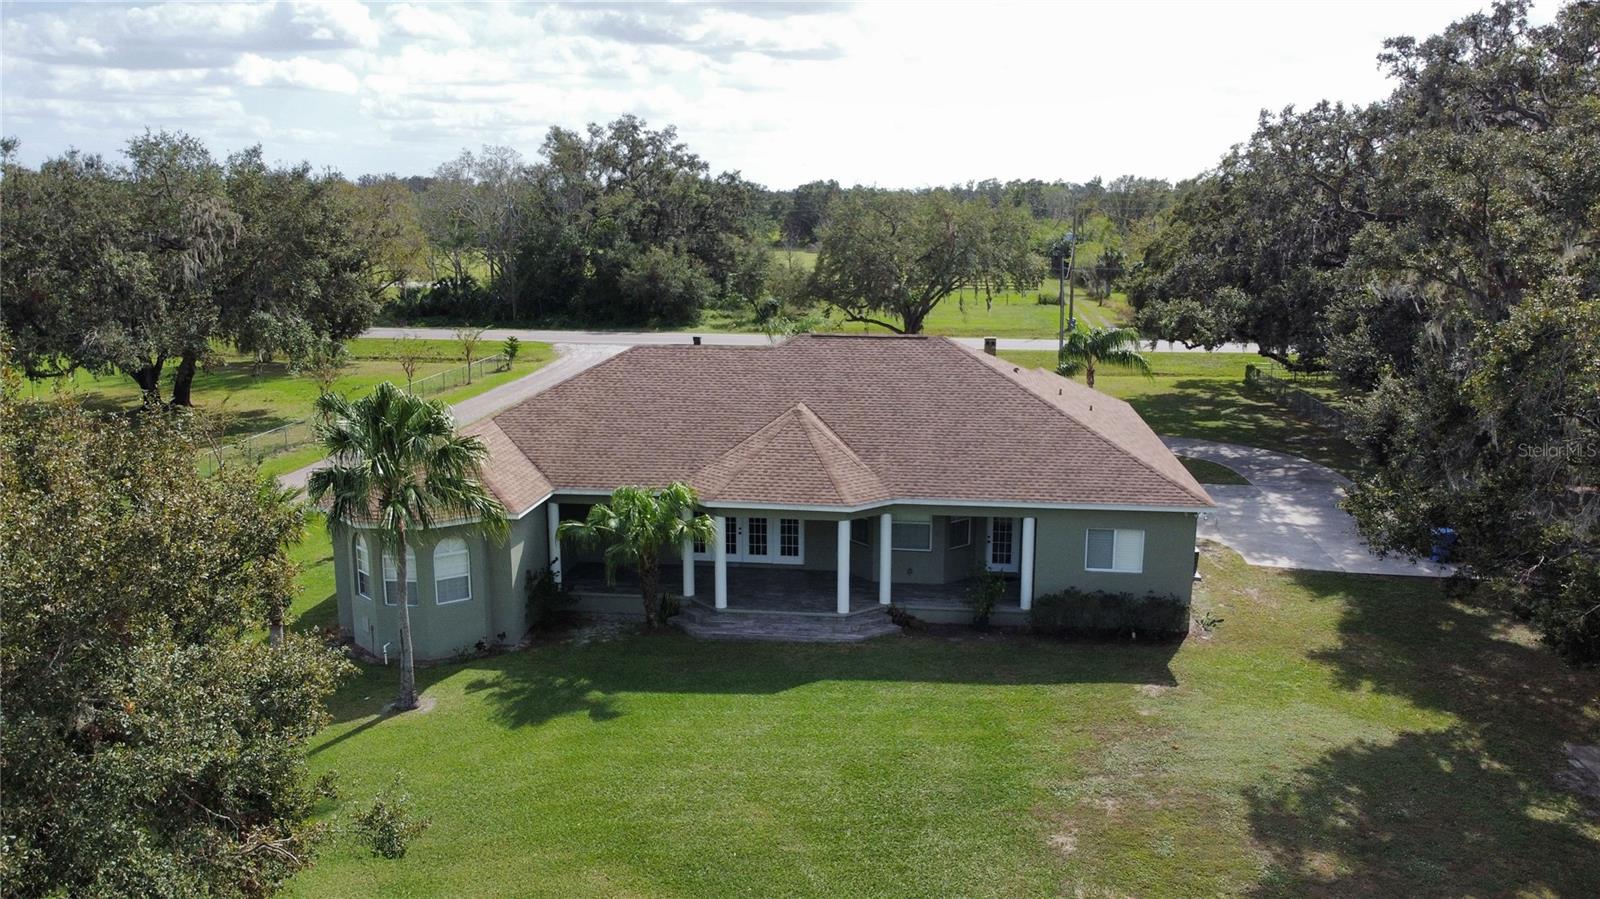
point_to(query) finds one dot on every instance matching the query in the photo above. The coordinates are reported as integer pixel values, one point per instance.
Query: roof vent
(991, 346)
(697, 340)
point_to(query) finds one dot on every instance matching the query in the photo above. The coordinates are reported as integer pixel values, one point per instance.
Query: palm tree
(1087, 349)
(396, 461)
(634, 527)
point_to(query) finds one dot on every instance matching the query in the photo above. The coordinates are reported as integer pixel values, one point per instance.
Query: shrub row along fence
(1297, 400)
(262, 444)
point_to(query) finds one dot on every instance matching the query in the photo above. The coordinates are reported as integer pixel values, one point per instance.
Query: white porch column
(688, 561)
(553, 514)
(885, 552)
(1027, 563)
(844, 567)
(720, 553)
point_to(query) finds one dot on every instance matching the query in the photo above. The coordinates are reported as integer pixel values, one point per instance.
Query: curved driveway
(1289, 516)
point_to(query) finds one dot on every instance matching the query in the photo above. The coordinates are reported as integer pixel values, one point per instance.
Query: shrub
(983, 595)
(510, 349)
(545, 597)
(901, 617)
(671, 605)
(390, 824)
(1103, 614)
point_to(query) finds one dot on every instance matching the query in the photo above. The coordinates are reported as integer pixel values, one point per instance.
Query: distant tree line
(147, 264)
(144, 265)
(1439, 253)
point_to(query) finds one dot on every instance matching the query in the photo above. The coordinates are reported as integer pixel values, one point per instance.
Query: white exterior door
(1002, 544)
(760, 539)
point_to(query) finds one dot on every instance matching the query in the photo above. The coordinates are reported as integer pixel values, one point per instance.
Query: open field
(1309, 744)
(1009, 315)
(250, 400)
(1203, 395)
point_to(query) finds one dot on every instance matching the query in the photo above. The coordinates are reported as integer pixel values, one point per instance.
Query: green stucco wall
(496, 614)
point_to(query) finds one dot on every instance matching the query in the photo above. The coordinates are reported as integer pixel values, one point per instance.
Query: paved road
(1289, 516)
(637, 338)
(570, 359)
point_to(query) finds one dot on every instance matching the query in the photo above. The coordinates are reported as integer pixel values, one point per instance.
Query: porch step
(731, 624)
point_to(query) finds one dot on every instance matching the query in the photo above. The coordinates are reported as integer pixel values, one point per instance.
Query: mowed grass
(1203, 395)
(247, 398)
(1333, 735)
(1010, 315)
(1207, 472)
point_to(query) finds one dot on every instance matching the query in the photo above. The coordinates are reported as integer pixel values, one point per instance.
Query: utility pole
(1072, 289)
(1061, 302)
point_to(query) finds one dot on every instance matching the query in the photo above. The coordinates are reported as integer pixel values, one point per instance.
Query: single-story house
(843, 474)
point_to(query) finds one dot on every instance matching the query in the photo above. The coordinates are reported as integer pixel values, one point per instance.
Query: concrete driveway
(1289, 516)
(570, 359)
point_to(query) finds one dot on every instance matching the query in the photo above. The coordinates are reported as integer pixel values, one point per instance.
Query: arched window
(452, 572)
(391, 584)
(363, 567)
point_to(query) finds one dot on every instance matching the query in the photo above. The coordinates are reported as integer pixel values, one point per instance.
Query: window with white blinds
(1114, 549)
(912, 533)
(452, 572)
(363, 567)
(391, 575)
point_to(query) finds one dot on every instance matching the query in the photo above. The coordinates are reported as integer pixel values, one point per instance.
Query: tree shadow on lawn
(1473, 808)
(532, 686)
(1233, 412)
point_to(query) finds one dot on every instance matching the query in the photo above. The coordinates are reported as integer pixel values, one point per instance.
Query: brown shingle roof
(795, 458)
(508, 473)
(834, 421)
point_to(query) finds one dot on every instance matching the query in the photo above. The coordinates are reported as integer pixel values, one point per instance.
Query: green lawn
(1203, 395)
(1211, 473)
(248, 399)
(1334, 735)
(802, 259)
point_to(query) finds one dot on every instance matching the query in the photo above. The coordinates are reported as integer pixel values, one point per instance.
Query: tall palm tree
(634, 527)
(396, 461)
(1088, 349)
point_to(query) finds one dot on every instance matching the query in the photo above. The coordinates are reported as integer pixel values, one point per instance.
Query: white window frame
(1116, 538)
(465, 551)
(950, 526)
(907, 520)
(363, 565)
(411, 578)
(799, 557)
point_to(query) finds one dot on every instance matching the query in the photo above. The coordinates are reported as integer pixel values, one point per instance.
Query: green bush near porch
(1097, 613)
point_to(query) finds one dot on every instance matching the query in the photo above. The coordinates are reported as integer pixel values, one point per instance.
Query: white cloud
(880, 93)
(298, 71)
(427, 23)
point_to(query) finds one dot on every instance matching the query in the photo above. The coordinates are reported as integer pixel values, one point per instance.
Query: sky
(901, 94)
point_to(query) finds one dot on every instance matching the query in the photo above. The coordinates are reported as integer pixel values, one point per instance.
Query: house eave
(744, 505)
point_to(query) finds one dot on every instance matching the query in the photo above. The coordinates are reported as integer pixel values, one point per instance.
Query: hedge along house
(843, 474)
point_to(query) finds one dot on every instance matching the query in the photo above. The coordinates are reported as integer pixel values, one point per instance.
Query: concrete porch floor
(786, 590)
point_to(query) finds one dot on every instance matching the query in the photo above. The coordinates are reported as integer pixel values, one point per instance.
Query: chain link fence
(1297, 400)
(295, 434)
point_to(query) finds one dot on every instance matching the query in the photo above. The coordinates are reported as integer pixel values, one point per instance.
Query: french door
(760, 538)
(1002, 544)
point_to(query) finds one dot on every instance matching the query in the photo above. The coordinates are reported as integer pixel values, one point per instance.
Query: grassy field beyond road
(1333, 735)
(250, 398)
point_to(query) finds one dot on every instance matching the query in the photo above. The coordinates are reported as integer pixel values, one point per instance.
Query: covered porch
(800, 562)
(786, 590)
